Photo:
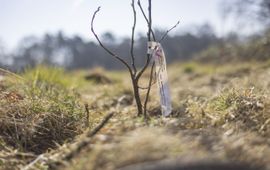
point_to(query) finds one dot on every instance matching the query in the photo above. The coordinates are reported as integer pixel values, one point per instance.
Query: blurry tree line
(200, 43)
(247, 13)
(74, 52)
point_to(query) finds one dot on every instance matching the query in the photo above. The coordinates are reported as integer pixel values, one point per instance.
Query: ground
(220, 120)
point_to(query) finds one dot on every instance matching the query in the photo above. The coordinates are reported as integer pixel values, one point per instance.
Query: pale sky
(20, 18)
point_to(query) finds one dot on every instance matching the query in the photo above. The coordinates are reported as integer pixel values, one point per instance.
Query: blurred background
(58, 32)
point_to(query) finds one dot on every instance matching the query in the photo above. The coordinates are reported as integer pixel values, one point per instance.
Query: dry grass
(221, 117)
(39, 112)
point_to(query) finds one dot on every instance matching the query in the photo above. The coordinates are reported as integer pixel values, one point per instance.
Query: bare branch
(105, 48)
(55, 160)
(144, 67)
(154, 82)
(168, 31)
(146, 19)
(146, 88)
(86, 106)
(83, 143)
(149, 89)
(144, 15)
(148, 36)
(148, 58)
(11, 73)
(132, 38)
(150, 19)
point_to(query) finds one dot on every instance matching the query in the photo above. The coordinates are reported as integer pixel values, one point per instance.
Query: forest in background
(202, 43)
(74, 52)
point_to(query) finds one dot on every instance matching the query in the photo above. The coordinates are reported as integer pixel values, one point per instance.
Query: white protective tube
(156, 51)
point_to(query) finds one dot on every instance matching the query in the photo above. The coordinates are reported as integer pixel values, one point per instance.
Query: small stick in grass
(83, 143)
(58, 159)
(86, 115)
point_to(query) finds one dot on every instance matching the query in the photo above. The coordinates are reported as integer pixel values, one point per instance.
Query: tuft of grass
(49, 76)
(41, 111)
(227, 98)
(247, 107)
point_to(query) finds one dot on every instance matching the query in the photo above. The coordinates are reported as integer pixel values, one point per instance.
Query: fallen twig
(87, 115)
(59, 159)
(83, 143)
(11, 73)
(32, 164)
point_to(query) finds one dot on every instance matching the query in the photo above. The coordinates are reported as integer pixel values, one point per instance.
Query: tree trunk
(137, 96)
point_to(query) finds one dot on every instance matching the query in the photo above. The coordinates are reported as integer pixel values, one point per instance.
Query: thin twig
(148, 36)
(167, 32)
(150, 19)
(146, 19)
(82, 143)
(89, 135)
(11, 154)
(144, 67)
(87, 115)
(148, 91)
(31, 165)
(11, 73)
(146, 88)
(101, 44)
(144, 15)
(56, 160)
(132, 37)
(100, 125)
(154, 82)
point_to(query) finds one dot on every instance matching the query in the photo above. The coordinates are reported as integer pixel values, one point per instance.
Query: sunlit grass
(206, 99)
(46, 106)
